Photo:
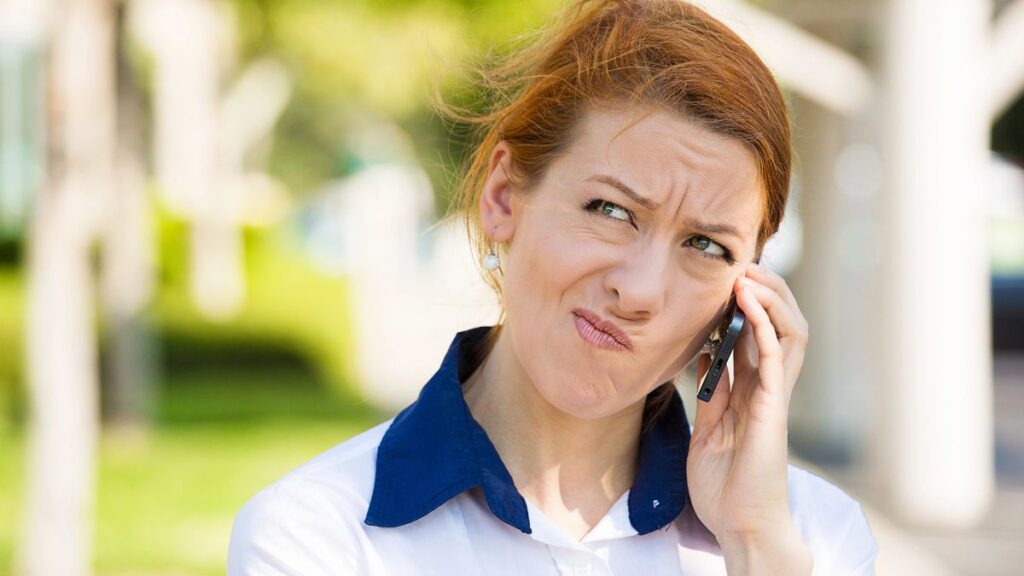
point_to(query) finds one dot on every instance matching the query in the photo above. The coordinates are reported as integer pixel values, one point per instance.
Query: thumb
(709, 413)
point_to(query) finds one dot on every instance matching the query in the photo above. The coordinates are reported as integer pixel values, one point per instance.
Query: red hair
(665, 53)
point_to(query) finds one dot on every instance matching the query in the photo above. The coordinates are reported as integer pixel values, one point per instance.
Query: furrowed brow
(705, 227)
(709, 228)
(621, 186)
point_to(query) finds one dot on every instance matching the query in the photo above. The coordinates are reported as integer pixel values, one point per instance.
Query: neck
(555, 459)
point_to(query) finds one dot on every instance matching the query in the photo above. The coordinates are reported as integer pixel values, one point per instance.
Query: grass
(241, 403)
(166, 498)
(12, 305)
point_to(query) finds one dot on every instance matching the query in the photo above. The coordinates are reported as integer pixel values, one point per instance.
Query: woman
(622, 191)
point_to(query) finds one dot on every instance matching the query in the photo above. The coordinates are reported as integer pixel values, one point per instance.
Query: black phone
(728, 333)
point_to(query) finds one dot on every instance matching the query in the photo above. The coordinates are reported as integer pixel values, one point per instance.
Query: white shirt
(426, 493)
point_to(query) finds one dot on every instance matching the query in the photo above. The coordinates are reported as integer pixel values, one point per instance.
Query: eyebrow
(652, 205)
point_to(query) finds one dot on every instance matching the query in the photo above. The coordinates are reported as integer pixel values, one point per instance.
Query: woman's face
(583, 239)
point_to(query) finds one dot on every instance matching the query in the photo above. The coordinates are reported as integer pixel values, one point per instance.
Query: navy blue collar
(435, 450)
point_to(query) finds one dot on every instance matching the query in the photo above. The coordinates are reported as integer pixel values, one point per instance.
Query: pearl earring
(491, 261)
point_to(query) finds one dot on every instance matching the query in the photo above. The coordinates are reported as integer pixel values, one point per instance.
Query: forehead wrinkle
(728, 204)
(722, 185)
(682, 150)
(693, 155)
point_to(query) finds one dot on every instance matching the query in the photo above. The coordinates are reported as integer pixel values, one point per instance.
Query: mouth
(602, 333)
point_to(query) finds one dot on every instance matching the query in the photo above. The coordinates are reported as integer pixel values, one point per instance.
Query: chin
(582, 404)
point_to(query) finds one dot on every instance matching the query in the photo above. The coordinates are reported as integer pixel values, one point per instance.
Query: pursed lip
(606, 326)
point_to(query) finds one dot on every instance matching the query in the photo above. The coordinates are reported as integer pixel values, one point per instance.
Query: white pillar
(934, 442)
(819, 422)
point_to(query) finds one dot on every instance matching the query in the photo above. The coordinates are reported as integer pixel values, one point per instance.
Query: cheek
(695, 313)
(711, 275)
(554, 257)
(704, 301)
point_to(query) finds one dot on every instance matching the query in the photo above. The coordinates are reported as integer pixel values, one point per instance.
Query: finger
(745, 366)
(788, 322)
(710, 413)
(791, 329)
(769, 350)
(773, 281)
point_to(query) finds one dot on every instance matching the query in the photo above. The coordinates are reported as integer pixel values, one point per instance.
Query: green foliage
(245, 400)
(12, 319)
(380, 57)
(289, 306)
(166, 500)
(241, 403)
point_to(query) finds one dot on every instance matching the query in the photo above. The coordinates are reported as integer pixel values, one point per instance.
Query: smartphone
(728, 333)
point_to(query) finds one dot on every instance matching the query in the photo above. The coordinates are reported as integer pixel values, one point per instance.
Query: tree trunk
(127, 266)
(61, 342)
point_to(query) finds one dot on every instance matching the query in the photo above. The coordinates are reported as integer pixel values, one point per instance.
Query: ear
(496, 198)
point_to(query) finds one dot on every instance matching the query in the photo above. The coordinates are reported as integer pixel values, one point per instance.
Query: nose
(640, 282)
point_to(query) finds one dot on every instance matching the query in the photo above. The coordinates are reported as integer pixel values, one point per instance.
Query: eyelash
(593, 203)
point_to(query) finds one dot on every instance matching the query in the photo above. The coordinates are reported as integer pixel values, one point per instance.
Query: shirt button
(584, 570)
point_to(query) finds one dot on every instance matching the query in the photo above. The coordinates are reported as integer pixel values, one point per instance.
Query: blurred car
(1008, 312)
(1006, 244)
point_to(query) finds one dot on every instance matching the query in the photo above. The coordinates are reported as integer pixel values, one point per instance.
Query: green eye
(702, 243)
(609, 209)
(705, 246)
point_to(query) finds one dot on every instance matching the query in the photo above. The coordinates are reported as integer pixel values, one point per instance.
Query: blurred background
(222, 252)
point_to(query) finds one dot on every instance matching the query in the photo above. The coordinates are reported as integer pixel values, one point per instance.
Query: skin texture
(565, 415)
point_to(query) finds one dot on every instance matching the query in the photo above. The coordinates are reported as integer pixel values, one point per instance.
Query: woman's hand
(737, 463)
